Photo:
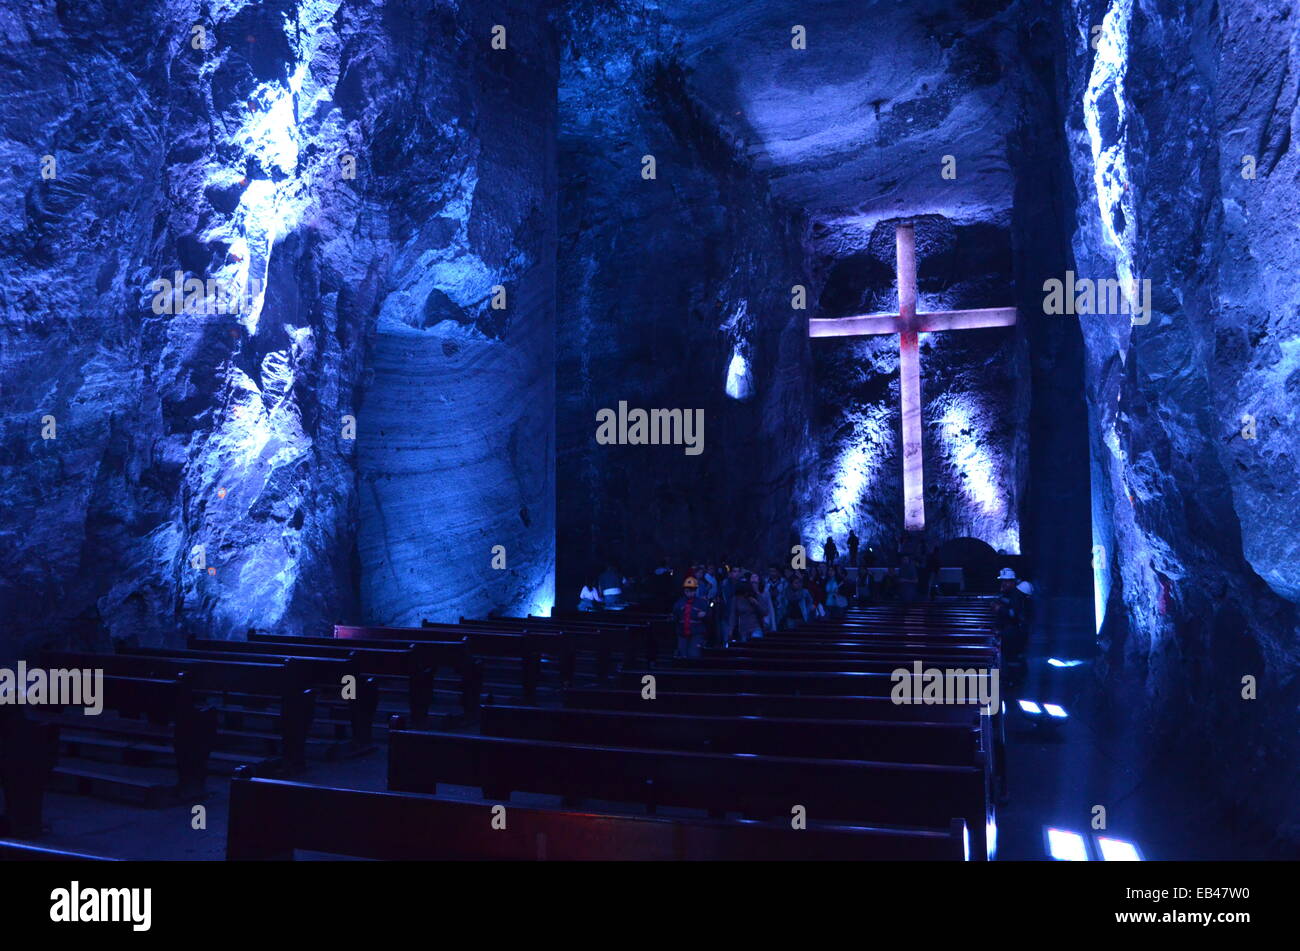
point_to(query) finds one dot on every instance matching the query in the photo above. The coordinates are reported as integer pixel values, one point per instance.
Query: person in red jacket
(691, 618)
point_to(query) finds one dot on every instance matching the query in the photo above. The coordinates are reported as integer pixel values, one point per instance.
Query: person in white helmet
(1012, 617)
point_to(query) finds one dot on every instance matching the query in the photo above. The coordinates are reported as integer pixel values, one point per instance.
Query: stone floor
(1060, 769)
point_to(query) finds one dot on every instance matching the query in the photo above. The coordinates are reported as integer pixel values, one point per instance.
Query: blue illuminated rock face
(663, 283)
(1181, 128)
(364, 174)
(456, 447)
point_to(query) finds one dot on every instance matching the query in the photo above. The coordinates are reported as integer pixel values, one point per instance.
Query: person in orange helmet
(691, 619)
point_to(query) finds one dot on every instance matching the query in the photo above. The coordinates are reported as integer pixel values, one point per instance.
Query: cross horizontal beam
(866, 325)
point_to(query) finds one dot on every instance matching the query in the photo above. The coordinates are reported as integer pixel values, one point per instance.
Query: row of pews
(273, 704)
(731, 746)
(537, 738)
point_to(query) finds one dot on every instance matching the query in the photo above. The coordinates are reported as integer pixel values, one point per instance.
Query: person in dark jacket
(610, 583)
(724, 603)
(853, 549)
(799, 607)
(907, 579)
(932, 564)
(746, 612)
(691, 620)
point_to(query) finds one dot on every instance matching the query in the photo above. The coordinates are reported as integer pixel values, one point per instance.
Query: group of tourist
(733, 605)
(718, 604)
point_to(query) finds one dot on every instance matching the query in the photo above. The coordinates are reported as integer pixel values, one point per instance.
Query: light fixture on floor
(1117, 850)
(1057, 662)
(1055, 710)
(1066, 846)
(1030, 707)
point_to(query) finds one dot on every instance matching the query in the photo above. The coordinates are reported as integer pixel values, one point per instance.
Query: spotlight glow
(856, 470)
(965, 445)
(1057, 662)
(740, 382)
(1055, 710)
(1104, 108)
(1066, 846)
(1118, 850)
(1030, 707)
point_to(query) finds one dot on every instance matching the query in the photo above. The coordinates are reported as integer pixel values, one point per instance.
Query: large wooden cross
(907, 323)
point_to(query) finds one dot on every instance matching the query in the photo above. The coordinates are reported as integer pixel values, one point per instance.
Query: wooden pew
(944, 606)
(773, 659)
(427, 659)
(490, 639)
(883, 635)
(937, 657)
(324, 672)
(817, 683)
(893, 741)
(269, 819)
(160, 703)
(902, 794)
(288, 684)
(819, 630)
(601, 635)
(828, 707)
(810, 648)
(830, 664)
(29, 750)
(935, 626)
(372, 663)
(923, 611)
(601, 641)
(659, 640)
(525, 647)
(779, 706)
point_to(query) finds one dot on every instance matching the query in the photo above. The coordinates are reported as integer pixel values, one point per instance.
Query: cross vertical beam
(909, 378)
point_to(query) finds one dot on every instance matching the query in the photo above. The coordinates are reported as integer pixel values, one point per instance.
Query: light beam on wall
(542, 601)
(966, 449)
(1104, 109)
(856, 470)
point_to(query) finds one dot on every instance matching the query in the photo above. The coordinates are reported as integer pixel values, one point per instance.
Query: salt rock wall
(1181, 122)
(456, 443)
(166, 473)
(674, 292)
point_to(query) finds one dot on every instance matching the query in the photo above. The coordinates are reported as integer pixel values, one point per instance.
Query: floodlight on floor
(1066, 846)
(1030, 707)
(1117, 850)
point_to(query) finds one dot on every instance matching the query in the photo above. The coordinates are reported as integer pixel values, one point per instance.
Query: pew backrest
(269, 819)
